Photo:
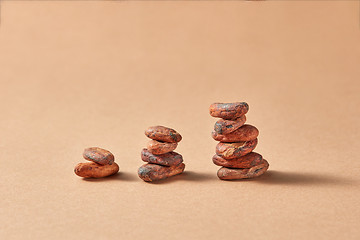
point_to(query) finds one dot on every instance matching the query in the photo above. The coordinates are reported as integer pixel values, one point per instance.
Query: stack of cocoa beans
(237, 140)
(163, 162)
(101, 164)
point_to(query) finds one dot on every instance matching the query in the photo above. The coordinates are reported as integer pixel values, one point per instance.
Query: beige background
(94, 73)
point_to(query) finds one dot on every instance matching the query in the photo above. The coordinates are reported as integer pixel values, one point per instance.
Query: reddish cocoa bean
(94, 170)
(227, 126)
(249, 160)
(229, 111)
(167, 159)
(235, 150)
(242, 134)
(163, 134)
(98, 155)
(241, 173)
(157, 147)
(153, 172)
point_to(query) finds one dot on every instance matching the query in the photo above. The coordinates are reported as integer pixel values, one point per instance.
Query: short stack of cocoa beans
(101, 164)
(237, 140)
(163, 162)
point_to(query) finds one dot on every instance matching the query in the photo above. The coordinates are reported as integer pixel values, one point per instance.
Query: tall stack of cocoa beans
(237, 140)
(163, 162)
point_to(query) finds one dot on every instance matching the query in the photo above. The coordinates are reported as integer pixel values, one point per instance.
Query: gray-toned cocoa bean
(227, 126)
(163, 134)
(241, 173)
(167, 159)
(98, 155)
(229, 111)
(153, 172)
(235, 150)
(242, 134)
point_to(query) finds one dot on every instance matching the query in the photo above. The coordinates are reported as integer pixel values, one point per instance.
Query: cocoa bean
(163, 134)
(167, 159)
(235, 150)
(153, 172)
(227, 126)
(229, 111)
(249, 160)
(94, 170)
(157, 147)
(242, 134)
(241, 173)
(98, 155)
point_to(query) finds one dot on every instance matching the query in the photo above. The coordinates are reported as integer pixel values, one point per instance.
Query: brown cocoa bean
(157, 147)
(153, 172)
(167, 159)
(163, 134)
(241, 173)
(94, 170)
(242, 134)
(228, 111)
(247, 161)
(235, 150)
(227, 126)
(98, 155)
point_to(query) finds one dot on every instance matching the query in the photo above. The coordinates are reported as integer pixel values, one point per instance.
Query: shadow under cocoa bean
(188, 176)
(300, 179)
(120, 176)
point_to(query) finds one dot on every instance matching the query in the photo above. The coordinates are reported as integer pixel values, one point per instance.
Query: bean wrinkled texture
(94, 170)
(163, 134)
(229, 111)
(249, 160)
(153, 172)
(241, 173)
(227, 126)
(98, 155)
(167, 159)
(235, 150)
(242, 134)
(157, 147)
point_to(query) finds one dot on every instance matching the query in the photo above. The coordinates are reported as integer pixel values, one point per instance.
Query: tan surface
(80, 74)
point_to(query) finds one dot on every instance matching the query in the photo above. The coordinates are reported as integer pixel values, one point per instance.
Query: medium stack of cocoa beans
(237, 140)
(101, 164)
(163, 162)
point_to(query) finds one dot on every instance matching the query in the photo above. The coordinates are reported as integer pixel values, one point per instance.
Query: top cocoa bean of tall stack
(229, 111)
(164, 134)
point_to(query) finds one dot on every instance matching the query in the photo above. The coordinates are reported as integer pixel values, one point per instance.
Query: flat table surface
(76, 74)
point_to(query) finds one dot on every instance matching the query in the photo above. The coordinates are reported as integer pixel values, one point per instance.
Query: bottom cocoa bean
(94, 170)
(153, 172)
(240, 173)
